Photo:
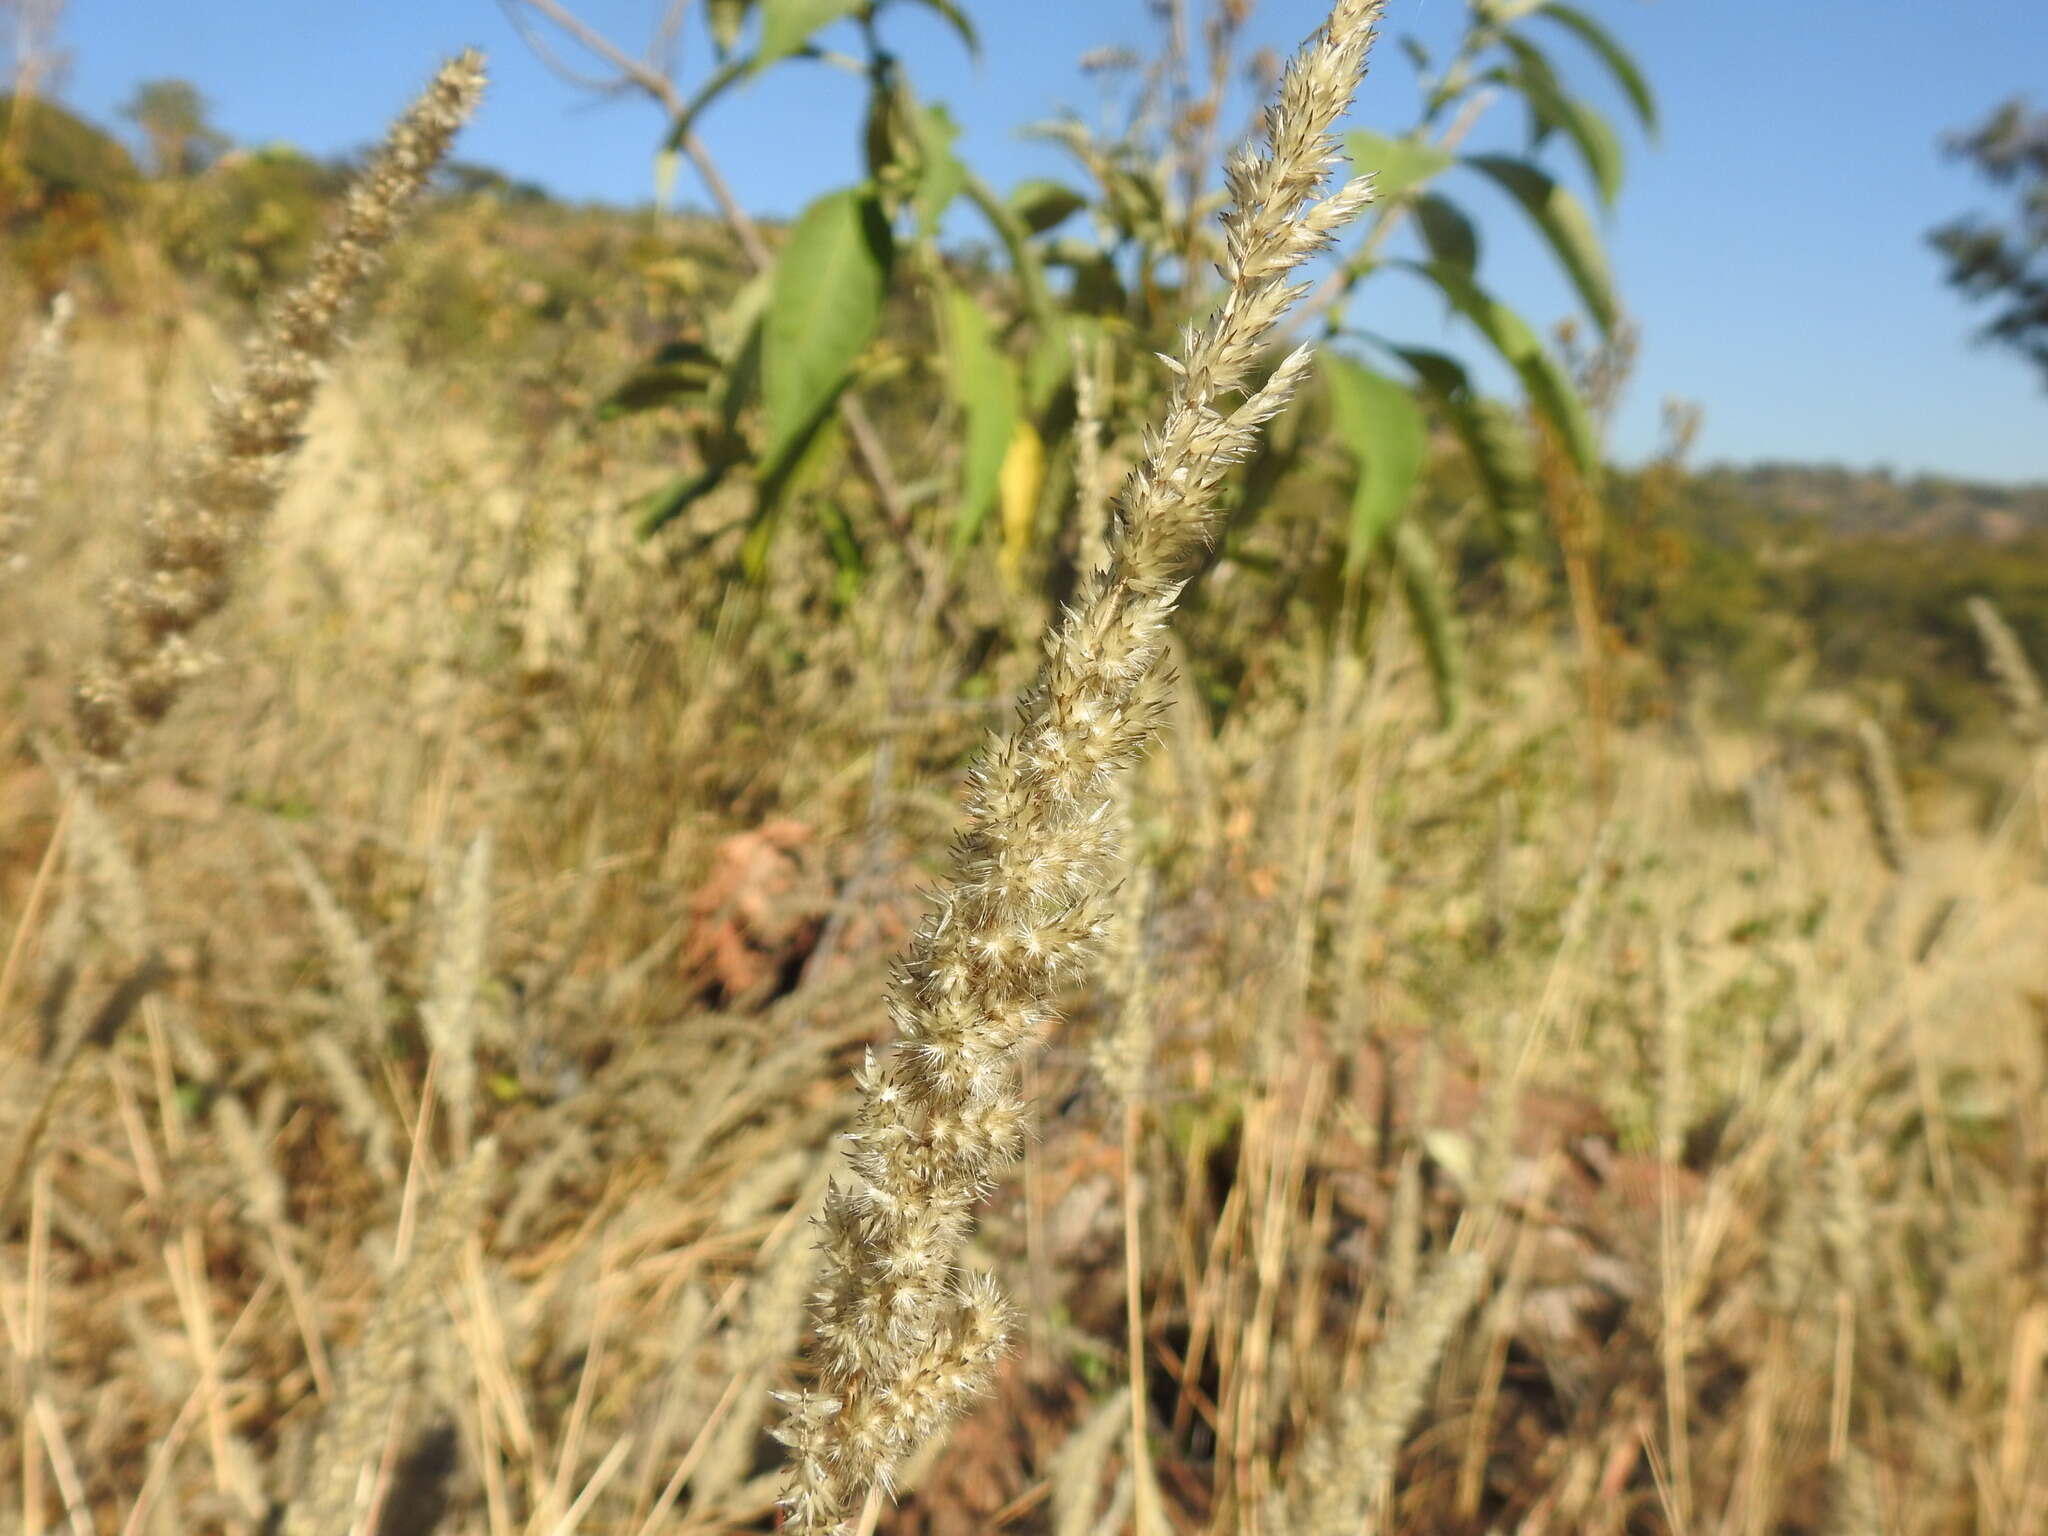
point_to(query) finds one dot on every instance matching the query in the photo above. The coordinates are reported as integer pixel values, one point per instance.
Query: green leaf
(1557, 109)
(984, 387)
(850, 565)
(944, 177)
(823, 307)
(740, 388)
(1096, 288)
(1397, 165)
(1492, 435)
(1049, 364)
(1441, 374)
(786, 25)
(1436, 621)
(682, 370)
(726, 18)
(666, 505)
(1135, 200)
(1550, 390)
(1498, 438)
(1043, 204)
(1447, 232)
(1563, 221)
(1377, 419)
(776, 482)
(957, 19)
(1617, 59)
(1496, 441)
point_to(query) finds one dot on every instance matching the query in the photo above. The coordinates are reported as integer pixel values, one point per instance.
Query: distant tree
(173, 118)
(28, 33)
(2006, 265)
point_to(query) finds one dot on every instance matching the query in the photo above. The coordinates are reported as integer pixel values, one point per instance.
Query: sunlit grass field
(426, 1055)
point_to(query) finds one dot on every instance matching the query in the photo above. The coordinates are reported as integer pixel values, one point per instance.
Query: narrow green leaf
(944, 177)
(1135, 200)
(740, 388)
(1491, 433)
(776, 482)
(1557, 109)
(850, 565)
(1564, 224)
(726, 19)
(1447, 232)
(1503, 451)
(682, 370)
(1397, 165)
(823, 307)
(984, 387)
(1436, 621)
(1496, 442)
(786, 25)
(1440, 373)
(1550, 390)
(956, 18)
(1049, 365)
(1377, 419)
(1043, 204)
(672, 501)
(1617, 59)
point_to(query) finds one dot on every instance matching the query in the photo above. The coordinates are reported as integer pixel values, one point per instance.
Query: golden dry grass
(1736, 1117)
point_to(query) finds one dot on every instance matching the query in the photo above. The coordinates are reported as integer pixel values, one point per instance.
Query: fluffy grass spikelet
(904, 1341)
(22, 416)
(2018, 685)
(386, 1360)
(1341, 1470)
(1884, 797)
(229, 485)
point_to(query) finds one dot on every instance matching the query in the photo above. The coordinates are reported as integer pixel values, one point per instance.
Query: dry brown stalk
(904, 1340)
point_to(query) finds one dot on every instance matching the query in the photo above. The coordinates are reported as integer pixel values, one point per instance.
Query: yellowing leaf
(984, 387)
(1018, 485)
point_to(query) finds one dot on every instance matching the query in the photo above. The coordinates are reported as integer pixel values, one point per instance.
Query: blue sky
(1771, 244)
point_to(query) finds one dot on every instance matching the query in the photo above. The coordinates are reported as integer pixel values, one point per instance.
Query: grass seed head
(904, 1341)
(221, 495)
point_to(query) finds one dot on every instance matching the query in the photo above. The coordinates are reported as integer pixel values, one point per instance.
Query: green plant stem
(1016, 244)
(860, 427)
(1332, 296)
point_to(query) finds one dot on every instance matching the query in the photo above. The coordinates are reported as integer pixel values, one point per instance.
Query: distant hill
(1876, 502)
(66, 154)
